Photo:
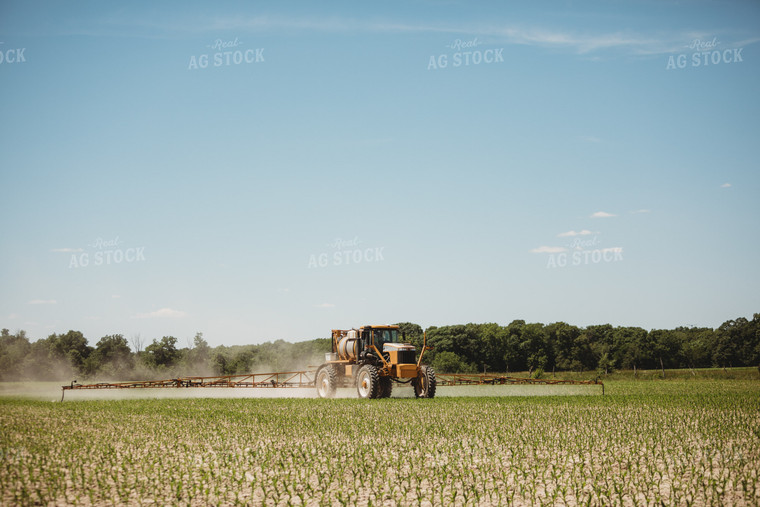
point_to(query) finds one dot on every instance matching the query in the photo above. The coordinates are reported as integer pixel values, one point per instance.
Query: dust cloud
(51, 391)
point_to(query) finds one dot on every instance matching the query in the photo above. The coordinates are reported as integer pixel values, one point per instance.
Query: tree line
(467, 348)
(69, 356)
(559, 346)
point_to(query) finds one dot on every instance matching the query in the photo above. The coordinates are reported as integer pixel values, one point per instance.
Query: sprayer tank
(348, 347)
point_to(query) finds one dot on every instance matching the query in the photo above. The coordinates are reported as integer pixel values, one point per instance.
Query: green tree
(449, 362)
(220, 364)
(564, 343)
(472, 344)
(667, 350)
(71, 346)
(494, 339)
(440, 340)
(242, 362)
(629, 347)
(112, 356)
(200, 354)
(412, 332)
(533, 345)
(748, 348)
(162, 353)
(727, 343)
(14, 348)
(605, 364)
(514, 356)
(45, 362)
(582, 353)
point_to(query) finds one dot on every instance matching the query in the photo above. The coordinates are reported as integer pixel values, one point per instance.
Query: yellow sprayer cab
(372, 358)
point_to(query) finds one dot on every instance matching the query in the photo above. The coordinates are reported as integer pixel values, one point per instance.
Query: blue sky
(582, 170)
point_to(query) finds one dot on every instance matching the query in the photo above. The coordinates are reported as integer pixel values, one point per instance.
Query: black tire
(386, 387)
(368, 382)
(326, 381)
(425, 383)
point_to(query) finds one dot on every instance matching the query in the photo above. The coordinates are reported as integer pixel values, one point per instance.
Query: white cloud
(725, 185)
(602, 214)
(43, 302)
(325, 305)
(549, 249)
(578, 43)
(641, 211)
(162, 313)
(333, 24)
(67, 250)
(497, 33)
(584, 232)
(635, 43)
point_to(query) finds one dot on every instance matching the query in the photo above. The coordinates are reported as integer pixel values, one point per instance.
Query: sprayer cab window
(383, 336)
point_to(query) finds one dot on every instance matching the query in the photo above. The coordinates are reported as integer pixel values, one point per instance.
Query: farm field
(675, 442)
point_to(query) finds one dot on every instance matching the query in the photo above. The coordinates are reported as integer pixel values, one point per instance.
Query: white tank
(348, 347)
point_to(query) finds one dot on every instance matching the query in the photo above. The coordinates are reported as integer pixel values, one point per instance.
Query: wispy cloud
(641, 211)
(43, 302)
(726, 185)
(568, 234)
(67, 250)
(332, 24)
(549, 249)
(162, 313)
(628, 42)
(583, 43)
(602, 214)
(580, 43)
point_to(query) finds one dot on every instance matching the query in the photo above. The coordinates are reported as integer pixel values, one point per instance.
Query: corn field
(644, 443)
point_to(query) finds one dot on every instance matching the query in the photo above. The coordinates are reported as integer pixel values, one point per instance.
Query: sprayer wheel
(425, 383)
(386, 387)
(326, 381)
(368, 382)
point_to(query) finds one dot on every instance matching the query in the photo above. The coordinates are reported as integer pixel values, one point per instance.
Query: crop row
(698, 448)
